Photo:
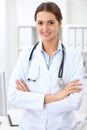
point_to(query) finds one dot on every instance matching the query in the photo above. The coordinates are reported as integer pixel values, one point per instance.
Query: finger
(74, 84)
(74, 81)
(22, 85)
(19, 82)
(21, 88)
(78, 84)
(18, 87)
(23, 82)
(75, 90)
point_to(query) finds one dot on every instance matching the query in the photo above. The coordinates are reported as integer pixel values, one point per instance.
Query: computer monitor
(3, 102)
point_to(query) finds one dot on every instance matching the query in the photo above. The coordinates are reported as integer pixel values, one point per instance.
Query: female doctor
(36, 86)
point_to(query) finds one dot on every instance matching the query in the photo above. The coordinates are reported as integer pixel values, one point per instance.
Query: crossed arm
(73, 86)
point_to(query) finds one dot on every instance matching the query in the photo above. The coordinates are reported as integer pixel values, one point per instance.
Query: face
(47, 25)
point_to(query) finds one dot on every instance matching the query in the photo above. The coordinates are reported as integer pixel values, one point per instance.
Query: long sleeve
(73, 101)
(20, 99)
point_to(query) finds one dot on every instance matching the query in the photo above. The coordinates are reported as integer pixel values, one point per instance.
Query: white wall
(76, 11)
(3, 36)
(8, 42)
(3, 56)
(26, 9)
(8, 37)
(12, 34)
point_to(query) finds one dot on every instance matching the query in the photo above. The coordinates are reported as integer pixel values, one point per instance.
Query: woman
(34, 85)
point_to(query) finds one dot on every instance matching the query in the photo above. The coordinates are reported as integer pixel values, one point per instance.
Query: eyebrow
(47, 21)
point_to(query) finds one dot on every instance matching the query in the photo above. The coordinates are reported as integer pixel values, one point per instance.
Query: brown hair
(49, 7)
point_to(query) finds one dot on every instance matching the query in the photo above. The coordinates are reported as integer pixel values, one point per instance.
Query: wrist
(49, 98)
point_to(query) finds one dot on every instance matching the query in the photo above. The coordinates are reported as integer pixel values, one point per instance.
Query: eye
(40, 23)
(51, 22)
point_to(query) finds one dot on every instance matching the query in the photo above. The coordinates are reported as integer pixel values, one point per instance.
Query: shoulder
(70, 51)
(25, 52)
(72, 54)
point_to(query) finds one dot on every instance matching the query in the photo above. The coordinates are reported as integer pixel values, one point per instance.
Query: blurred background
(17, 29)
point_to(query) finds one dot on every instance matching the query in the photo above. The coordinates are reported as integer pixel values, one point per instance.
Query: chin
(46, 38)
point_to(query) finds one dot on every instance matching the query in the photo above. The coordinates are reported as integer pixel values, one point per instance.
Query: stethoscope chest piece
(60, 74)
(60, 82)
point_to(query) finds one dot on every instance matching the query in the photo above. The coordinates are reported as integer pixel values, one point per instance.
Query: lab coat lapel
(56, 63)
(40, 59)
(42, 63)
(57, 59)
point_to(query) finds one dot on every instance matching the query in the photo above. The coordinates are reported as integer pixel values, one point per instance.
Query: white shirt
(37, 115)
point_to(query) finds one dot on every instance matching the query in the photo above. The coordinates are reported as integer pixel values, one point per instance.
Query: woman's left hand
(21, 85)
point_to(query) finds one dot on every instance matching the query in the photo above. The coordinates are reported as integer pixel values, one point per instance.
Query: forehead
(44, 15)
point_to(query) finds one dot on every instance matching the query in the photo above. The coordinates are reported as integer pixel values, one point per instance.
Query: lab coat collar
(40, 47)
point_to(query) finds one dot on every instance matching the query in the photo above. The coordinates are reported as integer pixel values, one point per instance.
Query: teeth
(45, 34)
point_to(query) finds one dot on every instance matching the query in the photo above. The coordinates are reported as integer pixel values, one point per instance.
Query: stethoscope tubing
(60, 73)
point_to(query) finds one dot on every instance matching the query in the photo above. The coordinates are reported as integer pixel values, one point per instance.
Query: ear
(60, 23)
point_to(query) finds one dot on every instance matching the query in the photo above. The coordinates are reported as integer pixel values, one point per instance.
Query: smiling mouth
(46, 34)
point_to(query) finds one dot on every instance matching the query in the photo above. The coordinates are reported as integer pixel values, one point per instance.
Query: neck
(50, 46)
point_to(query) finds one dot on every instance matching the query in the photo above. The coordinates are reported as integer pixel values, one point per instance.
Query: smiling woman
(47, 26)
(47, 23)
(34, 86)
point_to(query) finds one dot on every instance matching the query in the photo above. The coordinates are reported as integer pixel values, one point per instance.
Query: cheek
(38, 29)
(55, 31)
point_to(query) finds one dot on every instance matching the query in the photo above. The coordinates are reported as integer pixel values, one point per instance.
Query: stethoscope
(60, 73)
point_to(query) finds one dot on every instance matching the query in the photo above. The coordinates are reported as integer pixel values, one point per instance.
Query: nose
(45, 27)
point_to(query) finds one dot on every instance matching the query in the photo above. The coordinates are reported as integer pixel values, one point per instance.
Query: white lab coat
(37, 115)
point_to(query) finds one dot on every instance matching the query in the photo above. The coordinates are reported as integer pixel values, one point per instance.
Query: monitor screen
(3, 103)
